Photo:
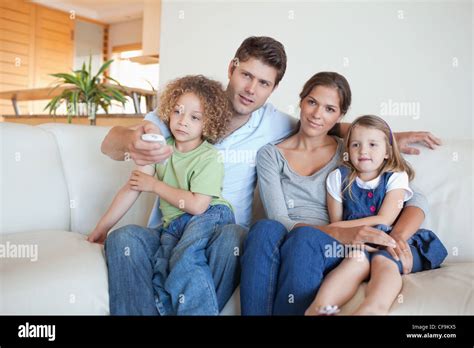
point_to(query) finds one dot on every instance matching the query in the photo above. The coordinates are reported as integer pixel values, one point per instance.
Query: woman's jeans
(190, 268)
(282, 271)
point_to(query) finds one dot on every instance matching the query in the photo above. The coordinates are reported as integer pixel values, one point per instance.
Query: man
(254, 73)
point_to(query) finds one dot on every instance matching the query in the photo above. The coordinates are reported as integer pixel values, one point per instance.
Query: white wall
(414, 56)
(88, 41)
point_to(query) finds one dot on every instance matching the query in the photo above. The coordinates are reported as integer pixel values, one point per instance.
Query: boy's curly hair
(216, 105)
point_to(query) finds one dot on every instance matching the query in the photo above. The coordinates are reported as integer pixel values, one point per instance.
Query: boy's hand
(97, 236)
(142, 182)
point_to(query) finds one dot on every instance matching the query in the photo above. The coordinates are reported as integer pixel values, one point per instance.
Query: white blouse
(398, 180)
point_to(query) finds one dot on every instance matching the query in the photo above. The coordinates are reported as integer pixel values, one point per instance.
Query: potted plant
(85, 92)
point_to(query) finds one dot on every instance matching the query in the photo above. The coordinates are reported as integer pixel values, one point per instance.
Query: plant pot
(91, 112)
(88, 109)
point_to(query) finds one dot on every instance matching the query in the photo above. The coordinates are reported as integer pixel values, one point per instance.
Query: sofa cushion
(32, 186)
(92, 178)
(445, 176)
(444, 291)
(68, 277)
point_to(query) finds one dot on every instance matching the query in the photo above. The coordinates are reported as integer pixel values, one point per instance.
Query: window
(132, 74)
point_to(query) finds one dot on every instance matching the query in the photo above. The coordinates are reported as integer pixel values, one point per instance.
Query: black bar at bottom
(429, 330)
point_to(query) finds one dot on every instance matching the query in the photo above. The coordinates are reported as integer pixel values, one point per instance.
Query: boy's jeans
(205, 250)
(183, 280)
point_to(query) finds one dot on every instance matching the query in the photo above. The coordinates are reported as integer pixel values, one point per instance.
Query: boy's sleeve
(207, 178)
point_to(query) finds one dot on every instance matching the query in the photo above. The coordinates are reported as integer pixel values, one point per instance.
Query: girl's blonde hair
(394, 163)
(216, 104)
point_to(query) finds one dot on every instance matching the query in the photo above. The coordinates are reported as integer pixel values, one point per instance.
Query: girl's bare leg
(384, 286)
(341, 283)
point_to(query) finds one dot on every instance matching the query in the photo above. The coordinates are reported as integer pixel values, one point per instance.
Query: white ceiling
(108, 11)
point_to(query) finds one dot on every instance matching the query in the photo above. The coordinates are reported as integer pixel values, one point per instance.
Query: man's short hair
(266, 49)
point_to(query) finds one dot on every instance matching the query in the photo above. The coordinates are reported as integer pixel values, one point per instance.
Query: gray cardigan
(291, 198)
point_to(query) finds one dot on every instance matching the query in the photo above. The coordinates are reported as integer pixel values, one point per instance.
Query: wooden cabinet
(17, 20)
(35, 41)
(54, 49)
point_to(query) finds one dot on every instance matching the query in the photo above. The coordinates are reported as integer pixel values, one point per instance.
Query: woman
(285, 258)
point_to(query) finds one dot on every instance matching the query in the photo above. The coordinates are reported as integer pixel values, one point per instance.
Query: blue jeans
(282, 271)
(183, 280)
(131, 257)
(260, 264)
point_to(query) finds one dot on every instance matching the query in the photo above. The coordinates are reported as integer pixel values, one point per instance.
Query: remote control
(154, 138)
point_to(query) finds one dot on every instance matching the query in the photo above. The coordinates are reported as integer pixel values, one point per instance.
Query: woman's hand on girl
(402, 253)
(364, 234)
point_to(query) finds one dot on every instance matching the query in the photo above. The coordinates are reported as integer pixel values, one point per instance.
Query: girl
(197, 111)
(370, 189)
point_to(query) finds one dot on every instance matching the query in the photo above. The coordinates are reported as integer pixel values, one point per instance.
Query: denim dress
(427, 249)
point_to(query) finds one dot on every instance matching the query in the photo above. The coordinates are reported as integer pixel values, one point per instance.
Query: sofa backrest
(63, 181)
(54, 176)
(33, 188)
(445, 176)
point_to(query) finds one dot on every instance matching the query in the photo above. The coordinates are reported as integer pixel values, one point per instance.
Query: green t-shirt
(199, 171)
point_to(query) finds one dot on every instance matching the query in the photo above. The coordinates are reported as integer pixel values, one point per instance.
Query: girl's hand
(97, 236)
(140, 181)
(402, 253)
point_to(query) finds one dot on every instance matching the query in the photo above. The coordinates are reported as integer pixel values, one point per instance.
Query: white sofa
(55, 184)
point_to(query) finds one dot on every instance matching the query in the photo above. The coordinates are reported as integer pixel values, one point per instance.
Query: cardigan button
(372, 209)
(370, 195)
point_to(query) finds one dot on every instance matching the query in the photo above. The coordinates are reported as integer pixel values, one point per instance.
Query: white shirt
(239, 149)
(398, 180)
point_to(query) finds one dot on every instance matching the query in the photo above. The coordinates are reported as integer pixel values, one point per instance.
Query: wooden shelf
(124, 120)
(49, 93)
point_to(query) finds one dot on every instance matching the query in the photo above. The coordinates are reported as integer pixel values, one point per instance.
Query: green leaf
(75, 96)
(68, 78)
(116, 94)
(53, 105)
(114, 80)
(104, 67)
(88, 88)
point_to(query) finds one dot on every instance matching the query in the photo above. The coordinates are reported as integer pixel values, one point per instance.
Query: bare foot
(322, 310)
